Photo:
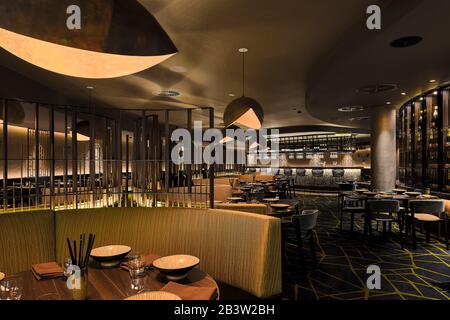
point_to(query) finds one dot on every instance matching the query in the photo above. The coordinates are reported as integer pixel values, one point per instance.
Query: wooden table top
(107, 284)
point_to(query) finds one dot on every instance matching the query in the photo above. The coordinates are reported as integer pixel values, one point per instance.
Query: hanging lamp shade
(244, 112)
(116, 37)
(16, 112)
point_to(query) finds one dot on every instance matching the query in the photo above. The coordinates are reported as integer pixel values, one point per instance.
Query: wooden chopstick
(70, 250)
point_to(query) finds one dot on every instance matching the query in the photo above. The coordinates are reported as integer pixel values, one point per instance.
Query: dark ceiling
(305, 55)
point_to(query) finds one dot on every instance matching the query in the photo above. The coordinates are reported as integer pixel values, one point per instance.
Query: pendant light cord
(243, 74)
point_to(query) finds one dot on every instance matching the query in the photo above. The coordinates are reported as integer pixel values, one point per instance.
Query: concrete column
(383, 148)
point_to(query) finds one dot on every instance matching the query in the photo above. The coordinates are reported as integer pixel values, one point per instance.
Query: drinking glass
(11, 289)
(136, 266)
(79, 284)
(67, 264)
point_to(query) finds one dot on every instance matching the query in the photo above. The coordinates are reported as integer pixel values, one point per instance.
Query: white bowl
(176, 267)
(110, 256)
(154, 295)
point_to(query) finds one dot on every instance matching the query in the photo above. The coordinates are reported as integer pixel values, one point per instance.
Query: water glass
(11, 289)
(67, 264)
(136, 266)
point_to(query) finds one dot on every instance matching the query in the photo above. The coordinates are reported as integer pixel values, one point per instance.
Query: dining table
(109, 284)
(364, 197)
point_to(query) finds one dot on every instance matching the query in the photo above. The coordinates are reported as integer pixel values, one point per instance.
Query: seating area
(212, 235)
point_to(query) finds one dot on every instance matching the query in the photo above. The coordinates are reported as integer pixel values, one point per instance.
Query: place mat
(148, 261)
(47, 270)
(189, 292)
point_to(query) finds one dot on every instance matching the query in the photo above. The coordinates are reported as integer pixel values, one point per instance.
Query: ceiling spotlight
(421, 99)
(432, 81)
(403, 93)
(435, 93)
(243, 50)
(388, 103)
(359, 119)
(90, 87)
(377, 88)
(351, 109)
(166, 93)
(231, 95)
(122, 40)
(178, 69)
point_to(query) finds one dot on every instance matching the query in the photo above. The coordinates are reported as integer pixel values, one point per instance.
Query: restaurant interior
(343, 193)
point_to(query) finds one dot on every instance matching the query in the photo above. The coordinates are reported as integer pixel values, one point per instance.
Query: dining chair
(386, 211)
(350, 205)
(427, 213)
(305, 225)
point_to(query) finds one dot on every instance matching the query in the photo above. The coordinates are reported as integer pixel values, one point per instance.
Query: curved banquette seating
(239, 249)
(244, 207)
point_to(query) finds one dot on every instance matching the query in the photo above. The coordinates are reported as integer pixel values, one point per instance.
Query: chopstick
(70, 250)
(89, 249)
(75, 252)
(81, 258)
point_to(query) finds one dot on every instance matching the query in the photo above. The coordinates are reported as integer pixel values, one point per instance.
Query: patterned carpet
(343, 260)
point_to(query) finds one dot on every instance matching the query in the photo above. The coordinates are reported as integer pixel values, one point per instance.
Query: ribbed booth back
(26, 238)
(240, 249)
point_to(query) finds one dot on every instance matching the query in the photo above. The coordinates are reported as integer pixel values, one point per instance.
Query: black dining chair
(304, 226)
(427, 213)
(350, 205)
(385, 211)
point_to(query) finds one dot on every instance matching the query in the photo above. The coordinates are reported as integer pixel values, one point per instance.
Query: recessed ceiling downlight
(351, 109)
(359, 119)
(167, 93)
(376, 88)
(405, 42)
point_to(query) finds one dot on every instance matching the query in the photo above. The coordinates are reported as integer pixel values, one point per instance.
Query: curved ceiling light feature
(359, 119)
(377, 88)
(351, 109)
(406, 42)
(167, 93)
(117, 37)
(244, 112)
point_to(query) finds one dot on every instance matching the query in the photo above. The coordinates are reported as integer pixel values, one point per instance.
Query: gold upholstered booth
(236, 248)
(26, 238)
(258, 208)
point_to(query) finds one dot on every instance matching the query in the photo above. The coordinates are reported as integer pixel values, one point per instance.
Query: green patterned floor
(343, 259)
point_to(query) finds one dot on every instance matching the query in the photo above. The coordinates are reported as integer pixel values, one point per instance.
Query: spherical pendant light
(244, 112)
(95, 39)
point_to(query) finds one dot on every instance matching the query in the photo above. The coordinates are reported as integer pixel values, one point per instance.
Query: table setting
(111, 272)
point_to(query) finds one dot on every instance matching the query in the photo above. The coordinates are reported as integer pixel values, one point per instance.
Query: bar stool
(317, 173)
(427, 212)
(300, 178)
